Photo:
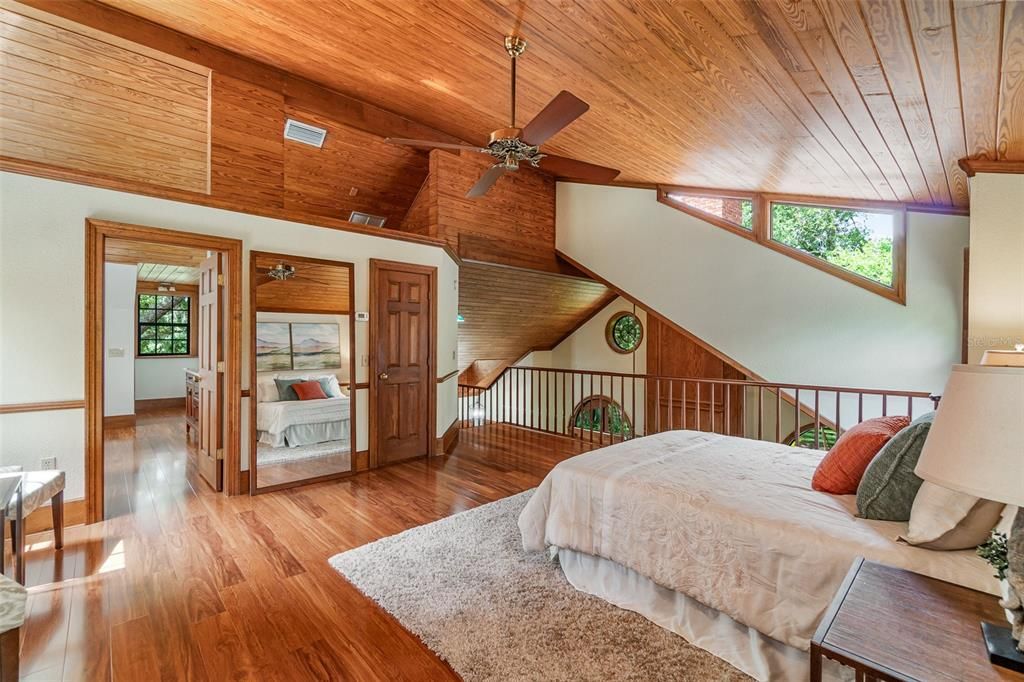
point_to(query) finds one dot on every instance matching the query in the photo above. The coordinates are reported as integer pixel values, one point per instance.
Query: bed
(293, 423)
(720, 539)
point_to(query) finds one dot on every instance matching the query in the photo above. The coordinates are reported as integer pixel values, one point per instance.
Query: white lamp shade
(976, 443)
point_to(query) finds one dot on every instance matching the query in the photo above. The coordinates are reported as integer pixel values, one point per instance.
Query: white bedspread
(730, 522)
(275, 417)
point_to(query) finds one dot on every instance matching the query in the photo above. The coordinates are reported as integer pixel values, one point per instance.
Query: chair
(36, 488)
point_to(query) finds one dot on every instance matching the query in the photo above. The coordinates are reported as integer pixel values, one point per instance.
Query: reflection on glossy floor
(185, 584)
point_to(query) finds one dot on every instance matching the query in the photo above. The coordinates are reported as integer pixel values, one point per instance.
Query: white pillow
(333, 387)
(946, 519)
(266, 390)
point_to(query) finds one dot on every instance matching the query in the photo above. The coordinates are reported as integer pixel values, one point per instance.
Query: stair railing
(609, 407)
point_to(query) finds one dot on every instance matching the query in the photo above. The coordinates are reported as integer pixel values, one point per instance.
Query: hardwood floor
(185, 584)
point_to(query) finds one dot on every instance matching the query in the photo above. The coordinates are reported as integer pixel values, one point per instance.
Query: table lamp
(976, 446)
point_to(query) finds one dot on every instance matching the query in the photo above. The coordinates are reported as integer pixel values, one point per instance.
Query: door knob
(383, 376)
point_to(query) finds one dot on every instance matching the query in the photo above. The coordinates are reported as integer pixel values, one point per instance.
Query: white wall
(119, 340)
(42, 238)
(162, 377)
(996, 290)
(781, 319)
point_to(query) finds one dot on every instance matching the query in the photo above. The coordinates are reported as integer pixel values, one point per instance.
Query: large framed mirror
(302, 381)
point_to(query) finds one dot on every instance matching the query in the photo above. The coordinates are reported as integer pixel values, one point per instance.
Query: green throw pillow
(889, 486)
(285, 390)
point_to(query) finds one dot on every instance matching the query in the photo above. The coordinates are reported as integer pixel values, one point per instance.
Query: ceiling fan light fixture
(281, 272)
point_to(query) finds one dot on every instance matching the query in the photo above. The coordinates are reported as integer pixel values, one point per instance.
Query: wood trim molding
(158, 403)
(361, 386)
(449, 375)
(662, 318)
(245, 394)
(17, 408)
(41, 519)
(96, 234)
(761, 231)
(90, 179)
(449, 439)
(974, 166)
(119, 421)
(254, 308)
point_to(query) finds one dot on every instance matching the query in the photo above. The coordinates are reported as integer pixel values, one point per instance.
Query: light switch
(115, 352)
(362, 317)
(364, 360)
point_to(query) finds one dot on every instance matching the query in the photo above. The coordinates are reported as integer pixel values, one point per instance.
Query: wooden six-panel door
(210, 377)
(402, 344)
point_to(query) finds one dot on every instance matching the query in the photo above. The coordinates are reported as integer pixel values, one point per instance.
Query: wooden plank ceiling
(870, 99)
(508, 312)
(316, 287)
(157, 262)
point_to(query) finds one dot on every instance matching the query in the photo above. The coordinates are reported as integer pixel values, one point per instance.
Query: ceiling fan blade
(577, 170)
(435, 145)
(560, 112)
(486, 181)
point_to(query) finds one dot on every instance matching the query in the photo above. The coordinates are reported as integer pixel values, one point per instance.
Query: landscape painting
(315, 346)
(273, 346)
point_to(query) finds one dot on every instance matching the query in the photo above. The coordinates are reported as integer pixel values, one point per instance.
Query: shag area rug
(266, 454)
(466, 588)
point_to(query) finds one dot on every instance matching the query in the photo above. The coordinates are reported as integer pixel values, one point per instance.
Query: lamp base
(1002, 650)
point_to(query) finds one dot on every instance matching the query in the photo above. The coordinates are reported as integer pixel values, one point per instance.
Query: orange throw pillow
(842, 468)
(309, 390)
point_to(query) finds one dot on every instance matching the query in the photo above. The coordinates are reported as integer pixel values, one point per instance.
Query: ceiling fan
(281, 272)
(512, 146)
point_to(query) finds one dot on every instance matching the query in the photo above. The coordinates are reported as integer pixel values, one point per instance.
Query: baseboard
(121, 421)
(361, 462)
(42, 520)
(447, 442)
(158, 403)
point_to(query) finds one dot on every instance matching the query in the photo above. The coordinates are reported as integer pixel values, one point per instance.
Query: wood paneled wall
(316, 288)
(508, 311)
(671, 354)
(513, 224)
(81, 99)
(112, 109)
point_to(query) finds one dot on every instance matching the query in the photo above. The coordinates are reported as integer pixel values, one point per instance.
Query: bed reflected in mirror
(302, 368)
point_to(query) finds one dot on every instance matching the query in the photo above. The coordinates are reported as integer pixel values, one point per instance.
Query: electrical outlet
(48, 463)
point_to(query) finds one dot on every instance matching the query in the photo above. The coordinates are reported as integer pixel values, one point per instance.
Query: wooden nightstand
(890, 624)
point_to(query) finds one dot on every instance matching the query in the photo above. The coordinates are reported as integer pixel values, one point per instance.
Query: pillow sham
(889, 486)
(284, 387)
(266, 390)
(329, 382)
(840, 471)
(945, 519)
(309, 390)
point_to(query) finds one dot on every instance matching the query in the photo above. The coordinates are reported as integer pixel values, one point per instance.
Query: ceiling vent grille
(367, 219)
(304, 133)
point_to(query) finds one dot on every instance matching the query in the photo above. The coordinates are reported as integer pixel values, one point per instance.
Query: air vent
(367, 219)
(304, 133)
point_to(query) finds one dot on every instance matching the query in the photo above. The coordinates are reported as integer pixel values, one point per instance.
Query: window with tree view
(856, 240)
(164, 325)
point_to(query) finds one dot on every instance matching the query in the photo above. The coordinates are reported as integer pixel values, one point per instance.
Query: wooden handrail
(625, 405)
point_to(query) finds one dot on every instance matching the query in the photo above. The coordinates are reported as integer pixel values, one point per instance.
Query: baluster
(860, 407)
(712, 410)
(838, 409)
(885, 404)
(797, 415)
(778, 415)
(589, 416)
(671, 404)
(910, 408)
(682, 414)
(728, 409)
(817, 419)
(657, 403)
(760, 412)
(698, 407)
(632, 388)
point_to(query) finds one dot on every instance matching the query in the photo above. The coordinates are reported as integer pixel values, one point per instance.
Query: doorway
(403, 333)
(169, 304)
(302, 370)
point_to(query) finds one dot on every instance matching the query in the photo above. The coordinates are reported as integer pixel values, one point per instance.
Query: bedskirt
(307, 434)
(743, 647)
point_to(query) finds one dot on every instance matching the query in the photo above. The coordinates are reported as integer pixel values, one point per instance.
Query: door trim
(96, 234)
(431, 272)
(253, 475)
